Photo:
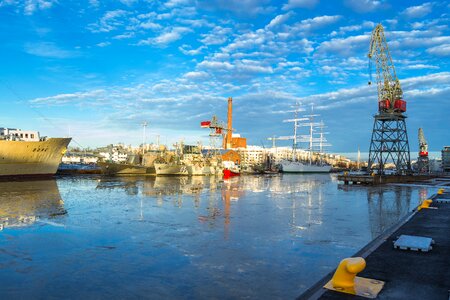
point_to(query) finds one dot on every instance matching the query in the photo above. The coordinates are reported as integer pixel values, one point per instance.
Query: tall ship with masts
(26, 153)
(315, 139)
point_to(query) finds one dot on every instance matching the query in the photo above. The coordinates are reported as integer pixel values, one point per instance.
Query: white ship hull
(198, 170)
(27, 158)
(288, 166)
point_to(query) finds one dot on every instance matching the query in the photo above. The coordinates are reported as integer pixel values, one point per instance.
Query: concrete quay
(409, 273)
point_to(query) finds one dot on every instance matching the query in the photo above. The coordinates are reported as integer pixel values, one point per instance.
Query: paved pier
(407, 274)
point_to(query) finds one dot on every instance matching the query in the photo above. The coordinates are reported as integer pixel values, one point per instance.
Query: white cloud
(433, 83)
(111, 20)
(196, 75)
(185, 49)
(175, 3)
(165, 38)
(150, 25)
(7, 2)
(103, 44)
(216, 65)
(243, 7)
(30, 6)
(48, 50)
(70, 98)
(441, 50)
(128, 2)
(278, 20)
(217, 36)
(196, 23)
(309, 25)
(418, 11)
(300, 4)
(419, 67)
(364, 6)
(124, 36)
(344, 46)
(94, 3)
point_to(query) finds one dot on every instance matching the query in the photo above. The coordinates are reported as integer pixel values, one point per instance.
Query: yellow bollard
(425, 204)
(440, 191)
(345, 274)
(345, 280)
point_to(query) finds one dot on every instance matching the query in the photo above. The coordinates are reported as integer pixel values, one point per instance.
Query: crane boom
(390, 94)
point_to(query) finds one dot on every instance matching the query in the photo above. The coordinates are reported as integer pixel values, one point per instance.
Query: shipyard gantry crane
(423, 163)
(217, 131)
(389, 143)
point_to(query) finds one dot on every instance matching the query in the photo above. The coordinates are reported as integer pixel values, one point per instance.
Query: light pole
(144, 125)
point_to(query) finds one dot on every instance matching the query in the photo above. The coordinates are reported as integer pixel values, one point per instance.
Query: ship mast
(296, 125)
(144, 125)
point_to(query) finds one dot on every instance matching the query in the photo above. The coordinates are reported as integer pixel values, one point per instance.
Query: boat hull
(31, 159)
(300, 167)
(198, 170)
(124, 169)
(170, 169)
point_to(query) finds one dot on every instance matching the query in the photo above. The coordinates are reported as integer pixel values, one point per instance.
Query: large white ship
(290, 166)
(309, 164)
(26, 153)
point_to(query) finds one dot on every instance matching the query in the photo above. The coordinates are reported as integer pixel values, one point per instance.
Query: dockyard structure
(446, 159)
(79, 158)
(14, 134)
(435, 165)
(233, 156)
(389, 141)
(114, 153)
(232, 141)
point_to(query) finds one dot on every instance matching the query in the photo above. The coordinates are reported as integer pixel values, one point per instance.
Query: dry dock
(408, 274)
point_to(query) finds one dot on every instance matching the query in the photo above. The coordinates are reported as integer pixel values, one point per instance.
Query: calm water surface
(185, 238)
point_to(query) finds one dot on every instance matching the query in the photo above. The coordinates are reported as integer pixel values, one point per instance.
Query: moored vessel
(290, 166)
(308, 165)
(135, 164)
(27, 154)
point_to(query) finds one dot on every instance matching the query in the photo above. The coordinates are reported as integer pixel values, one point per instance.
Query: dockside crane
(217, 131)
(389, 143)
(423, 163)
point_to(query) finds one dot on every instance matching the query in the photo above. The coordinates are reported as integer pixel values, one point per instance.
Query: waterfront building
(446, 159)
(252, 155)
(435, 165)
(114, 153)
(79, 158)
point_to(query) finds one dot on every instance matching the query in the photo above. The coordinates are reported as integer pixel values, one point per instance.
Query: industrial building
(446, 159)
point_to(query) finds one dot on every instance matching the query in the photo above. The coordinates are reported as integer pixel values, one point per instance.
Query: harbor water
(186, 237)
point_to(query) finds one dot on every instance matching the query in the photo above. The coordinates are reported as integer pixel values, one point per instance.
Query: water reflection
(24, 203)
(248, 237)
(301, 197)
(388, 204)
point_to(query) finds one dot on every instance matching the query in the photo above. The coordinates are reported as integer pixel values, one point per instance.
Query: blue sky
(96, 69)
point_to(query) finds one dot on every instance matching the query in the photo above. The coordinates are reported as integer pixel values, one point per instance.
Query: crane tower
(389, 143)
(423, 163)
